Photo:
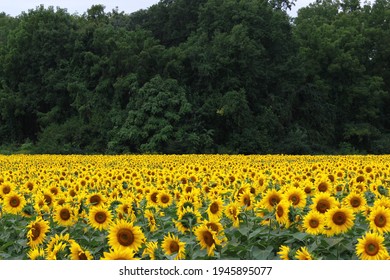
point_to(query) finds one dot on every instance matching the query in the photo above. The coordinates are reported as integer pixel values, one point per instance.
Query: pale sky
(15, 7)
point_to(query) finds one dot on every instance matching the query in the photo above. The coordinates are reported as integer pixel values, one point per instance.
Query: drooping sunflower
(339, 220)
(303, 254)
(151, 220)
(172, 245)
(232, 211)
(150, 250)
(187, 219)
(323, 201)
(99, 217)
(271, 198)
(78, 253)
(296, 196)
(207, 239)
(124, 234)
(215, 208)
(37, 230)
(56, 244)
(371, 247)
(119, 254)
(356, 201)
(379, 219)
(284, 252)
(13, 203)
(314, 222)
(282, 210)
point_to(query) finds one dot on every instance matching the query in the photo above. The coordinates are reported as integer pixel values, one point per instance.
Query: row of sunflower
(194, 207)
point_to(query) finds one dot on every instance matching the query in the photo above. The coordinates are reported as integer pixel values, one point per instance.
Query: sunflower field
(194, 207)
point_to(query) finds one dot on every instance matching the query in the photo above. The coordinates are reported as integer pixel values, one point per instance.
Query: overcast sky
(16, 7)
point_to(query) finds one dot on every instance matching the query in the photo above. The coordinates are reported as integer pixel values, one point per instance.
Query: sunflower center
(380, 220)
(65, 214)
(339, 188)
(36, 231)
(174, 247)
(214, 208)
(280, 211)
(213, 226)
(153, 197)
(247, 201)
(125, 237)
(208, 238)
(371, 249)
(360, 179)
(355, 202)
(273, 200)
(6, 190)
(95, 199)
(164, 199)
(323, 187)
(295, 199)
(30, 186)
(100, 217)
(314, 223)
(82, 256)
(339, 218)
(323, 205)
(48, 199)
(307, 190)
(14, 202)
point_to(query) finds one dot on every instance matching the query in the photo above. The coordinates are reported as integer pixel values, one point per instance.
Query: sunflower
(152, 199)
(5, 188)
(246, 199)
(214, 224)
(284, 252)
(282, 210)
(36, 253)
(13, 203)
(150, 250)
(164, 199)
(37, 230)
(60, 251)
(123, 234)
(99, 217)
(64, 215)
(151, 220)
(57, 240)
(313, 222)
(172, 245)
(379, 218)
(77, 253)
(296, 196)
(215, 209)
(323, 201)
(232, 211)
(339, 220)
(356, 201)
(271, 198)
(119, 254)
(187, 219)
(371, 247)
(303, 254)
(207, 238)
(96, 199)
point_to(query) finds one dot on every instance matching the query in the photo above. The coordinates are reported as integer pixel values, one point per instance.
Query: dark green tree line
(206, 76)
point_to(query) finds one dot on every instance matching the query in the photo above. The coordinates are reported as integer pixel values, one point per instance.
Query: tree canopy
(202, 76)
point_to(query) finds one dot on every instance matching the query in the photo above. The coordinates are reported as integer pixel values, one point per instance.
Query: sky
(16, 7)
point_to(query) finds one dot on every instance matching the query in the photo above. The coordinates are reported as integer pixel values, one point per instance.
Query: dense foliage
(197, 76)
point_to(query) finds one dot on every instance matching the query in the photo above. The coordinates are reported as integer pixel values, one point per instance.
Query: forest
(197, 76)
